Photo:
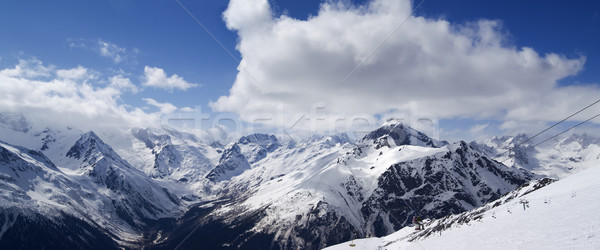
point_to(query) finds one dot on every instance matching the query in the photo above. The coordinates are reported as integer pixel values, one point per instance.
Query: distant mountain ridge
(556, 158)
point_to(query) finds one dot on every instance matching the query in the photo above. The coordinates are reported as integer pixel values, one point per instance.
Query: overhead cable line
(564, 131)
(554, 125)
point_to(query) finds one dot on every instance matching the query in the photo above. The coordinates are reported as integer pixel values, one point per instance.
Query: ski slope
(562, 215)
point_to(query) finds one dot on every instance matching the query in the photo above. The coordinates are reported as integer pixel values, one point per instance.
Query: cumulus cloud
(122, 83)
(156, 77)
(32, 68)
(165, 108)
(448, 70)
(75, 73)
(68, 97)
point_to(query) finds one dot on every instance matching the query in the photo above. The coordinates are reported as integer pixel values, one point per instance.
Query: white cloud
(447, 70)
(122, 83)
(32, 68)
(106, 49)
(156, 77)
(112, 51)
(75, 73)
(243, 15)
(478, 128)
(187, 109)
(165, 108)
(67, 97)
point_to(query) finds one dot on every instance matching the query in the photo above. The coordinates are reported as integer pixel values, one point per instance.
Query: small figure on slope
(418, 223)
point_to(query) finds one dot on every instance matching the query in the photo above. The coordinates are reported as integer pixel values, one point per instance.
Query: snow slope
(561, 215)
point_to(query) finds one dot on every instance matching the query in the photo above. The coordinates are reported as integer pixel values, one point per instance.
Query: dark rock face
(232, 163)
(30, 230)
(15, 162)
(436, 186)
(197, 229)
(324, 227)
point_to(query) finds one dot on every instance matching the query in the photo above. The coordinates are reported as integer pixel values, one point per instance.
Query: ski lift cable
(552, 137)
(554, 125)
(564, 131)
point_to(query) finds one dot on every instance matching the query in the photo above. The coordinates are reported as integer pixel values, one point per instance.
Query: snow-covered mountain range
(162, 188)
(557, 158)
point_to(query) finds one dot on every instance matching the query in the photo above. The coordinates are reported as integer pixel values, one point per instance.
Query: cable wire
(564, 131)
(554, 125)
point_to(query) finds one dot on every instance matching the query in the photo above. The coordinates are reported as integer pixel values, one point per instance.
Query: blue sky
(161, 34)
(161, 30)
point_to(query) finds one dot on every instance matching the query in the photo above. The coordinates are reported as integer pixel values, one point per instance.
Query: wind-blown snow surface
(561, 215)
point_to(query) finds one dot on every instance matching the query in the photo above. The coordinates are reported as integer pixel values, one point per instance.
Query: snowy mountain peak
(397, 134)
(255, 147)
(232, 163)
(507, 141)
(91, 148)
